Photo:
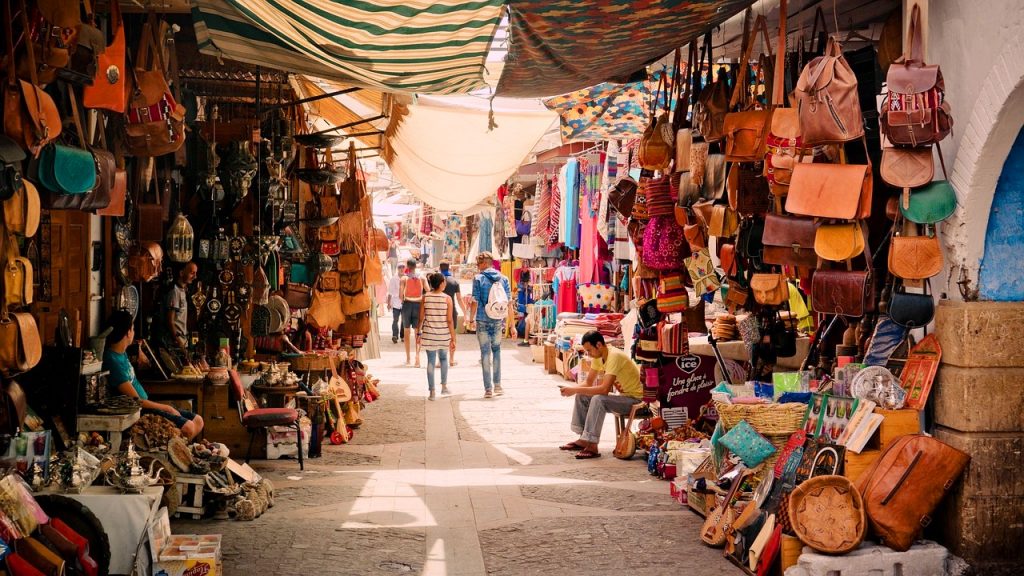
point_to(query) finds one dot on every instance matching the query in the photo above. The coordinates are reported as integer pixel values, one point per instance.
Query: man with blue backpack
(491, 296)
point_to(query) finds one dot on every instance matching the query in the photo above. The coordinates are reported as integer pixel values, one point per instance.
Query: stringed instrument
(722, 516)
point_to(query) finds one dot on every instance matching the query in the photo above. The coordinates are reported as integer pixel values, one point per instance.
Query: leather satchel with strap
(789, 241)
(915, 111)
(21, 211)
(845, 292)
(907, 168)
(109, 86)
(839, 242)
(746, 130)
(655, 151)
(769, 289)
(915, 257)
(17, 276)
(154, 119)
(31, 117)
(20, 346)
(839, 191)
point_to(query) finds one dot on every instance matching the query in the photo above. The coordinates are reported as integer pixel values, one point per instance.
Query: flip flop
(571, 446)
(587, 455)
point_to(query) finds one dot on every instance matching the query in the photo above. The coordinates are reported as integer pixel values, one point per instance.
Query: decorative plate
(128, 299)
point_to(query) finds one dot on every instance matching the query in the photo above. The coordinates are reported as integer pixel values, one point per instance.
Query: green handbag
(67, 170)
(930, 204)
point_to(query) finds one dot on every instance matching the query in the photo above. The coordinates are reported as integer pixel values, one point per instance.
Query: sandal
(571, 446)
(586, 454)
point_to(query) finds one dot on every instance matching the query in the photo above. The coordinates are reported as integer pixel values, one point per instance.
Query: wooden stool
(112, 424)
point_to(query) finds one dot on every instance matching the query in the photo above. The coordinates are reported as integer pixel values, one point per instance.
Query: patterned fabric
(424, 46)
(555, 217)
(605, 112)
(558, 46)
(596, 297)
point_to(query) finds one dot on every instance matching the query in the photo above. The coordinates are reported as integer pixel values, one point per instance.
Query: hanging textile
(415, 46)
(558, 46)
(554, 225)
(509, 212)
(571, 205)
(621, 251)
(564, 284)
(590, 198)
(486, 233)
(452, 236)
(607, 111)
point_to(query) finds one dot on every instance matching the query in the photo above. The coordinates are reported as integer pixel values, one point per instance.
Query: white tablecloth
(736, 350)
(125, 518)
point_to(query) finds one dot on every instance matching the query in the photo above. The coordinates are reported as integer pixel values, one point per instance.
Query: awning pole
(351, 124)
(312, 99)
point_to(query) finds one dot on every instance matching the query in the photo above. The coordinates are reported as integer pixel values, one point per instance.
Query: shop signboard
(686, 382)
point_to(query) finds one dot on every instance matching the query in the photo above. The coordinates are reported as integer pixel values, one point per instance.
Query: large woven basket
(768, 419)
(827, 513)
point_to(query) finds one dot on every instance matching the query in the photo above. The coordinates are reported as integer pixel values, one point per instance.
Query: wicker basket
(768, 419)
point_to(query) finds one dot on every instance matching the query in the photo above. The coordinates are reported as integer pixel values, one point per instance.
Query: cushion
(269, 417)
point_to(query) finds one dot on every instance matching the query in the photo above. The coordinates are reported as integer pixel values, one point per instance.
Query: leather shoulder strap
(779, 81)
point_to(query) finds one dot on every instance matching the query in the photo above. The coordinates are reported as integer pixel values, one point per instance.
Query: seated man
(610, 369)
(122, 378)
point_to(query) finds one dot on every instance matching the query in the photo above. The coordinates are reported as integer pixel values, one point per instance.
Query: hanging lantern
(179, 239)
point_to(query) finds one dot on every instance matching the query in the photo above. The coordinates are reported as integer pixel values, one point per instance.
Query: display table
(125, 518)
(113, 424)
(737, 350)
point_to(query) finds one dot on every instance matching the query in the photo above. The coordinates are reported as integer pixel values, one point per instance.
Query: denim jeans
(396, 323)
(442, 356)
(488, 334)
(589, 412)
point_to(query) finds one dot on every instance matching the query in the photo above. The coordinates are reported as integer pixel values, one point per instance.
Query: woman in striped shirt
(436, 331)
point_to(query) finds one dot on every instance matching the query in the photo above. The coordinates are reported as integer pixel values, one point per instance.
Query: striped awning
(424, 46)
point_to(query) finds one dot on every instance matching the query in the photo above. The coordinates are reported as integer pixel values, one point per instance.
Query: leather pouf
(827, 514)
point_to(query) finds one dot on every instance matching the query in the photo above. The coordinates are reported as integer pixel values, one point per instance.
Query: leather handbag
(694, 231)
(911, 310)
(373, 269)
(21, 211)
(905, 485)
(350, 262)
(727, 258)
(30, 116)
(789, 241)
(358, 325)
(657, 192)
(841, 191)
(118, 194)
(325, 309)
(145, 262)
(915, 111)
(713, 186)
(11, 157)
(155, 121)
(298, 295)
(915, 257)
(357, 303)
(20, 345)
(746, 130)
(622, 196)
(839, 242)
(748, 189)
(684, 141)
(106, 172)
(89, 44)
(827, 99)
(329, 281)
(109, 86)
(724, 222)
(737, 297)
(769, 289)
(17, 278)
(842, 292)
(930, 204)
(907, 167)
(350, 281)
(713, 103)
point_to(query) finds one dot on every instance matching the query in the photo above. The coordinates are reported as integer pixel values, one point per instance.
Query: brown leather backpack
(827, 99)
(905, 485)
(713, 103)
(155, 121)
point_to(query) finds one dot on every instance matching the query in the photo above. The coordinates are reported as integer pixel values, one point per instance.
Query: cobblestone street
(465, 486)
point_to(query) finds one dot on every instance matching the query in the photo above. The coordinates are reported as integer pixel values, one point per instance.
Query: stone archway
(988, 135)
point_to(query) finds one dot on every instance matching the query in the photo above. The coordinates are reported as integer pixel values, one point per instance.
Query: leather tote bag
(325, 309)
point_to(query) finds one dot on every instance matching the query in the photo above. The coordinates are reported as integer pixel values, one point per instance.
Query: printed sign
(686, 382)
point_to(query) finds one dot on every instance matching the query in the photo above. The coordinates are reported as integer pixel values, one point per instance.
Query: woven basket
(768, 419)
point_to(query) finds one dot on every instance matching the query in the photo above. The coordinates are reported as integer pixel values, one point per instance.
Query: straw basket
(768, 419)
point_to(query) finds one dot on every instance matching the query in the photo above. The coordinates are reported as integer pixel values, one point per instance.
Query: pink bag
(652, 381)
(664, 246)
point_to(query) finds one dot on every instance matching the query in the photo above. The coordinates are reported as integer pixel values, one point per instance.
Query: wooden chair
(259, 419)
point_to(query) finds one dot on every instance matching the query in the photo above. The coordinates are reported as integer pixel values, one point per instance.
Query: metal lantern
(179, 239)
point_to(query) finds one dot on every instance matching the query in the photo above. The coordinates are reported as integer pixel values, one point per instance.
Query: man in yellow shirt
(610, 369)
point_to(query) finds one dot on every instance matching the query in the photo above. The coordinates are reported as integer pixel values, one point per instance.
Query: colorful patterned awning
(605, 112)
(424, 46)
(558, 46)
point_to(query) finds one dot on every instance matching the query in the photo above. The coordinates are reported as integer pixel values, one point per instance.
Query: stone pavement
(465, 486)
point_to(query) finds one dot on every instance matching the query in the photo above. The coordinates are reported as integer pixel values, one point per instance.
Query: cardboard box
(190, 555)
(281, 441)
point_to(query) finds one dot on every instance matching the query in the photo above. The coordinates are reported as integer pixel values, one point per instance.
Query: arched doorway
(1001, 276)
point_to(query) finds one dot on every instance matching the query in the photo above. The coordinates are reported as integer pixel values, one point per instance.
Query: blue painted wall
(1002, 268)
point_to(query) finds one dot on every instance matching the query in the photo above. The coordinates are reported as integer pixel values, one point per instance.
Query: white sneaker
(497, 390)
(445, 391)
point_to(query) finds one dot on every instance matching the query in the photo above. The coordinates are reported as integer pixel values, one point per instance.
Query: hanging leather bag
(102, 194)
(713, 103)
(769, 289)
(109, 86)
(839, 242)
(20, 346)
(11, 157)
(746, 130)
(789, 241)
(931, 203)
(154, 120)
(840, 191)
(694, 230)
(17, 276)
(904, 486)
(655, 151)
(915, 111)
(356, 303)
(907, 168)
(911, 310)
(622, 196)
(325, 309)
(713, 187)
(748, 189)
(915, 257)
(724, 222)
(844, 292)
(89, 45)
(21, 211)
(827, 100)
(30, 116)
(298, 295)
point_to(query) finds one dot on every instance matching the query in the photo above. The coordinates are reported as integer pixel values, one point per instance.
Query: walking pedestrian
(393, 256)
(437, 331)
(454, 291)
(490, 309)
(395, 303)
(411, 293)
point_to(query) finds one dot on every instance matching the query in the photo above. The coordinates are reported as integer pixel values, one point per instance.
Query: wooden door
(64, 266)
